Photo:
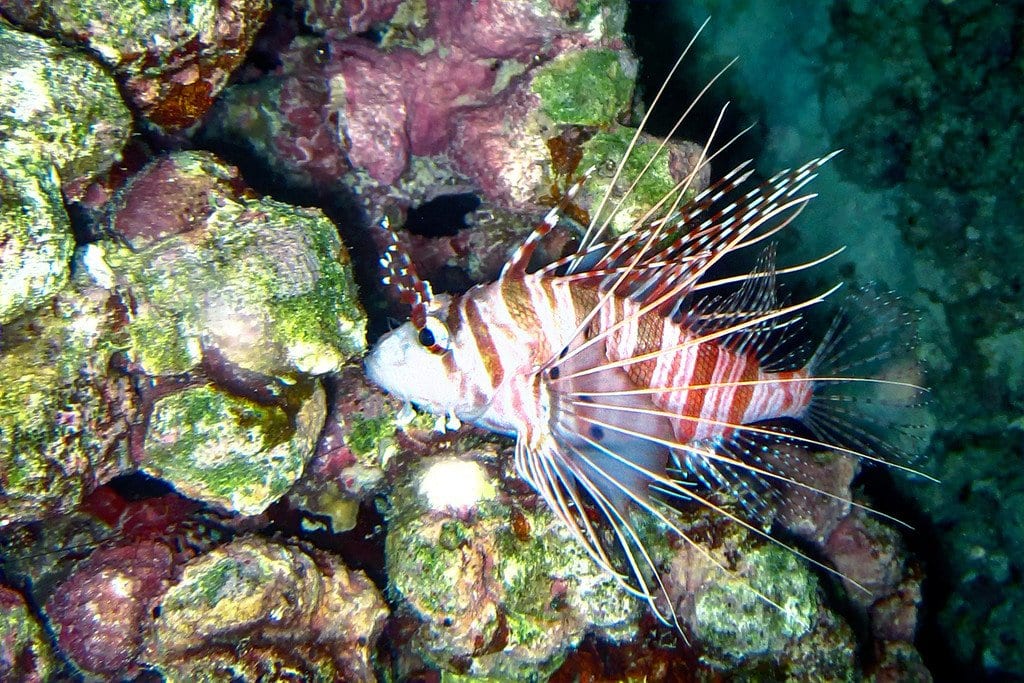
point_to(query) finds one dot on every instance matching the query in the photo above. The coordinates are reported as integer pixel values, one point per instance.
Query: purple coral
(454, 82)
(345, 17)
(157, 598)
(399, 103)
(99, 613)
(503, 29)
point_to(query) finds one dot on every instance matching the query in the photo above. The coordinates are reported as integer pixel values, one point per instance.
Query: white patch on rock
(451, 483)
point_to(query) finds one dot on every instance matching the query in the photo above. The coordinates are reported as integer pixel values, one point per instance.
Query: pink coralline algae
(400, 103)
(162, 200)
(345, 17)
(883, 583)
(488, 140)
(516, 29)
(455, 80)
(173, 588)
(99, 612)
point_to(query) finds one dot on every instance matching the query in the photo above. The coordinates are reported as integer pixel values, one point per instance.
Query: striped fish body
(502, 332)
(710, 383)
(540, 315)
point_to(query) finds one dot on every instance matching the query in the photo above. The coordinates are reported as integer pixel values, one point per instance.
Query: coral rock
(345, 17)
(100, 611)
(143, 604)
(58, 109)
(228, 451)
(62, 122)
(357, 439)
(25, 653)
(499, 589)
(399, 103)
(63, 411)
(173, 58)
(300, 612)
(265, 286)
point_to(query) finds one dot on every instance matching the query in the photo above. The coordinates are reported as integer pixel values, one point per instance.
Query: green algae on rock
(737, 623)
(586, 88)
(219, 289)
(358, 439)
(58, 109)
(35, 241)
(25, 652)
(663, 165)
(265, 284)
(172, 57)
(502, 591)
(63, 412)
(62, 122)
(302, 613)
(763, 614)
(229, 451)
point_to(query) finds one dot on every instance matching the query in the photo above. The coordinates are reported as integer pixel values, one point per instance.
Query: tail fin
(869, 393)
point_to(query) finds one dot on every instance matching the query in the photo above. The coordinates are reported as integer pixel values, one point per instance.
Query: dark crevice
(139, 486)
(442, 216)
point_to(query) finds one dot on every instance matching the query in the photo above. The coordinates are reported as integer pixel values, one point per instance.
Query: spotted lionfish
(633, 376)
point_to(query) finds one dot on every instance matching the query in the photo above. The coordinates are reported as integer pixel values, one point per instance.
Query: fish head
(413, 362)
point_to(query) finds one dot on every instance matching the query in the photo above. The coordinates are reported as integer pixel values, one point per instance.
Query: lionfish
(631, 375)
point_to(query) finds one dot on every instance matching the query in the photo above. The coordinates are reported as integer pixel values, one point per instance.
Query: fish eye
(434, 335)
(426, 337)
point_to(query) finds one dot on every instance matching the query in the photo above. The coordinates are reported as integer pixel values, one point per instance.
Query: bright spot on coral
(456, 484)
(96, 267)
(312, 359)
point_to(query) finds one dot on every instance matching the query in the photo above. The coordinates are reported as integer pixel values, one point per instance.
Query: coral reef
(941, 121)
(358, 439)
(228, 451)
(167, 586)
(64, 413)
(486, 98)
(491, 585)
(257, 284)
(172, 58)
(62, 122)
(301, 611)
(209, 337)
(497, 584)
(251, 294)
(654, 168)
(25, 653)
(220, 328)
(797, 636)
(146, 605)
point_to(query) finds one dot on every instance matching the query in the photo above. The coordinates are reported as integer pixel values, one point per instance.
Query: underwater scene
(511, 340)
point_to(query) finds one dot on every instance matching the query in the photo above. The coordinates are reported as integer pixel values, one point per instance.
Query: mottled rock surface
(498, 586)
(62, 122)
(25, 652)
(173, 58)
(64, 412)
(147, 605)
